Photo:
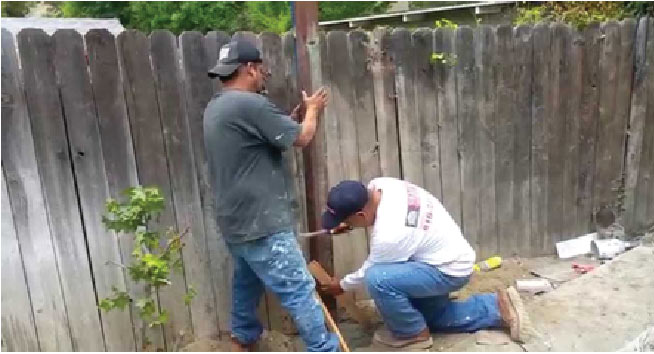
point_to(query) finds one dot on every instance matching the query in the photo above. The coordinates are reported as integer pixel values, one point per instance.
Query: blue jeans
(276, 262)
(411, 296)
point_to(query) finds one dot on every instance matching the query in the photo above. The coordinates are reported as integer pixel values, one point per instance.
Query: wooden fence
(531, 131)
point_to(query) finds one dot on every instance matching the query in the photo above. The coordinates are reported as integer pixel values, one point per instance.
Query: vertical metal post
(305, 20)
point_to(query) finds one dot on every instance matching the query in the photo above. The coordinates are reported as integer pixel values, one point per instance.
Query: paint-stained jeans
(413, 295)
(276, 262)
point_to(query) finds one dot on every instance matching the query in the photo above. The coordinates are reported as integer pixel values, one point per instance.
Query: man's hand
(317, 101)
(332, 288)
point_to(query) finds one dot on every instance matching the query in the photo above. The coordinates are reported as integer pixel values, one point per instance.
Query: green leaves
(143, 204)
(445, 23)
(189, 295)
(119, 301)
(154, 255)
(444, 58)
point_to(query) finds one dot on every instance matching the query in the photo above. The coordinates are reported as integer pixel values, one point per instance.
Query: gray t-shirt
(244, 136)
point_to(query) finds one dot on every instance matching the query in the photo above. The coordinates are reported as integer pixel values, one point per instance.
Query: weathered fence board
(116, 140)
(408, 120)
(426, 110)
(198, 55)
(572, 123)
(447, 121)
(18, 330)
(505, 143)
(556, 132)
(468, 141)
(636, 125)
(150, 153)
(91, 182)
(523, 46)
(28, 208)
(623, 104)
(52, 155)
(350, 251)
(569, 105)
(644, 201)
(364, 111)
(540, 114)
(179, 154)
(610, 129)
(292, 99)
(588, 125)
(384, 90)
(486, 58)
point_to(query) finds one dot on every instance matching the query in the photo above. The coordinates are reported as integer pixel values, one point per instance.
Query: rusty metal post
(305, 18)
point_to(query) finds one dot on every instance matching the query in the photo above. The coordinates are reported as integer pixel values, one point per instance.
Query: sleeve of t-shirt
(274, 126)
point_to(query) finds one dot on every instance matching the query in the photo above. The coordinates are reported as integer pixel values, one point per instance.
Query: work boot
(240, 347)
(421, 340)
(513, 313)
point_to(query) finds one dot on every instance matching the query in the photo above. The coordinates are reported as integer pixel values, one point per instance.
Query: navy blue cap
(344, 200)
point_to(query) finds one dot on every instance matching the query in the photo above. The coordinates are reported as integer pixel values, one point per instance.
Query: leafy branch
(154, 256)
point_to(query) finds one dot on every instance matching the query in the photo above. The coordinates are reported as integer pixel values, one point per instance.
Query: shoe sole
(425, 344)
(520, 331)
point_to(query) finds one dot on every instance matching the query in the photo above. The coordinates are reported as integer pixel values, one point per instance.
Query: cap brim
(223, 69)
(330, 221)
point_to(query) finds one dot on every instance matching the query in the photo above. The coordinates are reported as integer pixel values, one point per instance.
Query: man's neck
(237, 86)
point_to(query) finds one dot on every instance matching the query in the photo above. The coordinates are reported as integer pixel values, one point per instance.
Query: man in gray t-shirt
(244, 137)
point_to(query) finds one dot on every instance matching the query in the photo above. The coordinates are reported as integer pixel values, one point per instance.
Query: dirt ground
(599, 311)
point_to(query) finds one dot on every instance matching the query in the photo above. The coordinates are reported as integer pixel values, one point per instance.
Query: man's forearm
(308, 127)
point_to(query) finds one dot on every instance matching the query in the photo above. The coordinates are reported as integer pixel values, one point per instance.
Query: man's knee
(375, 278)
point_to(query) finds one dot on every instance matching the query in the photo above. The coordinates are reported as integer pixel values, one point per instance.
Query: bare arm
(315, 105)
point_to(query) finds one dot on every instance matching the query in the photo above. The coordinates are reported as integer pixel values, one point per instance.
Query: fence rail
(530, 132)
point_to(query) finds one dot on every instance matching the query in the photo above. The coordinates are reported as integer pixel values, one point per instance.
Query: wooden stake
(332, 325)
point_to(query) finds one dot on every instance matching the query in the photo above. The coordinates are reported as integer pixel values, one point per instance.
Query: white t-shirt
(411, 224)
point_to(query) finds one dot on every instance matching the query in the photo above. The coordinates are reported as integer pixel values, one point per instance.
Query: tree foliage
(582, 13)
(155, 255)
(229, 16)
(16, 8)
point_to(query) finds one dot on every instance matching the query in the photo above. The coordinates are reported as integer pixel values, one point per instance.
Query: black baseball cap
(232, 55)
(344, 200)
